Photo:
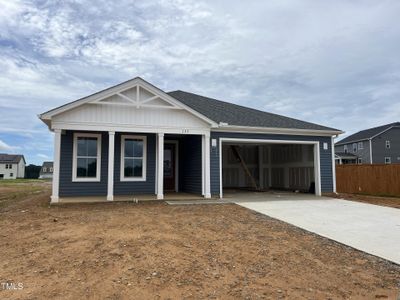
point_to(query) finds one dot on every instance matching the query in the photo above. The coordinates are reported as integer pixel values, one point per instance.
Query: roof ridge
(246, 107)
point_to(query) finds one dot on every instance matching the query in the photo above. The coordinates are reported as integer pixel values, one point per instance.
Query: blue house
(135, 141)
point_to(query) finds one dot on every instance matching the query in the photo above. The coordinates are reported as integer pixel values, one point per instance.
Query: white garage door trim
(317, 163)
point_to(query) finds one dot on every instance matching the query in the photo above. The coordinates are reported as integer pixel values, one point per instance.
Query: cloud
(43, 156)
(331, 62)
(5, 147)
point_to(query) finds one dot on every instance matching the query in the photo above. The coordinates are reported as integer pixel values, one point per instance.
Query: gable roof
(116, 89)
(47, 164)
(10, 158)
(217, 113)
(237, 115)
(367, 133)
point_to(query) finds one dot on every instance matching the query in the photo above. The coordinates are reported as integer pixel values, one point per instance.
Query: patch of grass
(16, 190)
(10, 182)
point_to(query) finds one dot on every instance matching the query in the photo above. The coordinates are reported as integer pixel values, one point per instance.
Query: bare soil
(377, 200)
(157, 251)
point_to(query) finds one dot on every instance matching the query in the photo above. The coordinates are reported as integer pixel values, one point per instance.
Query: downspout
(370, 151)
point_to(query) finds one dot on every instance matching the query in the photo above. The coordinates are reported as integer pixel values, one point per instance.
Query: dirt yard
(156, 251)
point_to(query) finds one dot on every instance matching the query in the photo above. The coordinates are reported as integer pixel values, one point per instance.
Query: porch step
(195, 202)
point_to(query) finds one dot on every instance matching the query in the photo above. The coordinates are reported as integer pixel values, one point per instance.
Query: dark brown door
(169, 167)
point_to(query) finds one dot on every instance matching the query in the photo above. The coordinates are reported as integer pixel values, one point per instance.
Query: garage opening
(269, 166)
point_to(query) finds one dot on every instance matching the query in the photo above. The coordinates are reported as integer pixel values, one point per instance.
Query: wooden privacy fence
(382, 180)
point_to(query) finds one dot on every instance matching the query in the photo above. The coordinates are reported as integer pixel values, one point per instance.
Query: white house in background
(12, 166)
(46, 172)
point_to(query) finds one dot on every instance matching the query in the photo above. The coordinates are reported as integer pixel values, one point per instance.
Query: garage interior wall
(279, 166)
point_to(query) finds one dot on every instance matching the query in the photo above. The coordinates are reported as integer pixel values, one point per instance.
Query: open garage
(267, 165)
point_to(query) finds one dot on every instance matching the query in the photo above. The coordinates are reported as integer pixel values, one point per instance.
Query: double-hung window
(360, 145)
(86, 157)
(354, 147)
(133, 158)
(387, 144)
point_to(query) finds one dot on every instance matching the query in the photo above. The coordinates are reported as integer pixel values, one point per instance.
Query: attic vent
(223, 124)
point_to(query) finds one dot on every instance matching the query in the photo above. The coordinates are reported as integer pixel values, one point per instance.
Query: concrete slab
(196, 202)
(370, 228)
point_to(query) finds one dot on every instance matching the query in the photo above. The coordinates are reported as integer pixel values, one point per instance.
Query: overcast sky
(336, 63)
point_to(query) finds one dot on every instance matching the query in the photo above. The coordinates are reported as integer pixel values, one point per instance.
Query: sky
(335, 63)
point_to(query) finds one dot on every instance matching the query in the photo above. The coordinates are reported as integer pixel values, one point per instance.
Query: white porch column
(56, 165)
(207, 185)
(317, 170)
(333, 164)
(160, 166)
(110, 182)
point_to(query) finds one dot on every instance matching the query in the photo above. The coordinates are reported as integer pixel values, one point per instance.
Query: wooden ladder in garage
(236, 152)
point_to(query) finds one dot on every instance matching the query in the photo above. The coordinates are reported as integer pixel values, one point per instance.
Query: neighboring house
(46, 172)
(378, 145)
(344, 158)
(134, 139)
(12, 166)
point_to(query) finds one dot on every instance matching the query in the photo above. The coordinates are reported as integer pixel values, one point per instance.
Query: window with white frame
(387, 144)
(360, 145)
(51, 169)
(86, 157)
(359, 161)
(388, 160)
(11, 174)
(133, 158)
(346, 149)
(354, 147)
(44, 169)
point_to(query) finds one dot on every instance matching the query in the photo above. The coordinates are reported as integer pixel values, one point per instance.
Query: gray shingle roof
(366, 134)
(343, 154)
(10, 158)
(220, 111)
(47, 164)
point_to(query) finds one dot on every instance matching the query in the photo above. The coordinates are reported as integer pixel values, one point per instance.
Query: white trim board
(144, 158)
(126, 128)
(333, 164)
(75, 178)
(317, 157)
(275, 130)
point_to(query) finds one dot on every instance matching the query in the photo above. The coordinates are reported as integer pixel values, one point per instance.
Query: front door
(169, 167)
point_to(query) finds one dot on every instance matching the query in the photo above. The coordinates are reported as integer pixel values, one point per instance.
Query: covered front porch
(130, 166)
(168, 196)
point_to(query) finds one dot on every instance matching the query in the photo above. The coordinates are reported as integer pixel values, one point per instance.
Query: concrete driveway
(366, 227)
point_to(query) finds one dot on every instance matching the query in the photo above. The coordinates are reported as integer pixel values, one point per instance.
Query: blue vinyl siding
(135, 187)
(190, 169)
(325, 156)
(69, 188)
